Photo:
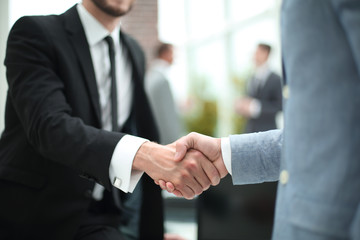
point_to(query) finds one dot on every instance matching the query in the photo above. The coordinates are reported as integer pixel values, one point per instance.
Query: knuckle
(197, 154)
(192, 134)
(178, 184)
(191, 164)
(184, 174)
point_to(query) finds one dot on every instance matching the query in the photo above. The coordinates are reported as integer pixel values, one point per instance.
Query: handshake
(186, 167)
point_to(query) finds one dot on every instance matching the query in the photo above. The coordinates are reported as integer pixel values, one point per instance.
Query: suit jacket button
(284, 177)
(286, 92)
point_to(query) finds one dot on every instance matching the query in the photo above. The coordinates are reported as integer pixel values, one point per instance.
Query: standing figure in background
(160, 95)
(264, 98)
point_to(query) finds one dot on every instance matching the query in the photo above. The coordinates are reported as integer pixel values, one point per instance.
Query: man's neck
(109, 22)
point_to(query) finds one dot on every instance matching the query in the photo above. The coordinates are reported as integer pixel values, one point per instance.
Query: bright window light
(19, 8)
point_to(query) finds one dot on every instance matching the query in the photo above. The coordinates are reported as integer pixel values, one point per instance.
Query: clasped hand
(186, 167)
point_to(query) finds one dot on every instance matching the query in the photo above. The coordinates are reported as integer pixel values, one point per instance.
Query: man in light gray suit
(317, 155)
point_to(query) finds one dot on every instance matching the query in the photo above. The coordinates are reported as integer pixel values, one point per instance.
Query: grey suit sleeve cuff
(255, 157)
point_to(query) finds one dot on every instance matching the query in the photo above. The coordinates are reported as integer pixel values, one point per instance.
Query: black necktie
(114, 112)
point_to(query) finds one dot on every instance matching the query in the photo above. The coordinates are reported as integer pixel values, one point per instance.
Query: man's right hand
(190, 176)
(209, 146)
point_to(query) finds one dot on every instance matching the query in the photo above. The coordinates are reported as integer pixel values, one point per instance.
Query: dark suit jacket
(53, 145)
(271, 103)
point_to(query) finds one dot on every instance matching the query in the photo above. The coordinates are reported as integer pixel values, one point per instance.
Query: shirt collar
(160, 65)
(94, 30)
(263, 71)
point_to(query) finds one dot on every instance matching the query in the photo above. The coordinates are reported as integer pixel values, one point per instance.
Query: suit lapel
(136, 60)
(81, 47)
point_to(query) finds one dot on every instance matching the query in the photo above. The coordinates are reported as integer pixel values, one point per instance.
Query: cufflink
(117, 182)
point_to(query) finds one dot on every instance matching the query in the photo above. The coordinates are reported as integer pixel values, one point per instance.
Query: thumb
(181, 150)
(182, 146)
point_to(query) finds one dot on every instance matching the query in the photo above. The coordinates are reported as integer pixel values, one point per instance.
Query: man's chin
(114, 11)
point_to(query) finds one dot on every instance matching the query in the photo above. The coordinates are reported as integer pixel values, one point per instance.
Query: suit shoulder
(131, 40)
(274, 77)
(135, 49)
(40, 20)
(134, 44)
(31, 25)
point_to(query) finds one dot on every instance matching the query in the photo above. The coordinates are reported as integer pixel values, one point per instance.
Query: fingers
(177, 193)
(162, 184)
(196, 169)
(181, 149)
(183, 145)
(171, 236)
(210, 171)
(203, 173)
(188, 193)
(192, 173)
(170, 187)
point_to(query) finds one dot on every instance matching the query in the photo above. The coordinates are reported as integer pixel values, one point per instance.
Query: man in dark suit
(75, 103)
(264, 98)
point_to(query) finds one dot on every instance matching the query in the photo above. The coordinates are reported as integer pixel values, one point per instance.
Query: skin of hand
(209, 146)
(242, 107)
(194, 174)
(172, 236)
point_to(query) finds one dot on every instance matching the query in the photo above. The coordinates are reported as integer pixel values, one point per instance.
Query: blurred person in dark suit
(75, 106)
(264, 98)
(161, 98)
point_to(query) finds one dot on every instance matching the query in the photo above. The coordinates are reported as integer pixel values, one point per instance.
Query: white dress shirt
(226, 153)
(121, 174)
(261, 75)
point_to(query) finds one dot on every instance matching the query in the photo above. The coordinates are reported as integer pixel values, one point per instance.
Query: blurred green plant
(205, 120)
(201, 115)
(238, 84)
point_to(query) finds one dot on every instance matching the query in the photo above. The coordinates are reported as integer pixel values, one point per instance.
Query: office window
(19, 8)
(218, 39)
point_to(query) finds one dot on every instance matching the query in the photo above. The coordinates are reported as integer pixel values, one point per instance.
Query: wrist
(143, 156)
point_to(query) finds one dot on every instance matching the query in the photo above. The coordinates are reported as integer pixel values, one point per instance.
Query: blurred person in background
(264, 98)
(161, 98)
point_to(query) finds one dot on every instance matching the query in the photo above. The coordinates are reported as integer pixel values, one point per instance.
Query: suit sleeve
(255, 157)
(349, 16)
(39, 99)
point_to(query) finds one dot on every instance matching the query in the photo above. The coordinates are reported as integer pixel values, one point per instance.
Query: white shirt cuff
(121, 174)
(226, 153)
(255, 108)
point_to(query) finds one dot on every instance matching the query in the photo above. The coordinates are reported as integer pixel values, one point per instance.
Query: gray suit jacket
(163, 105)
(317, 156)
